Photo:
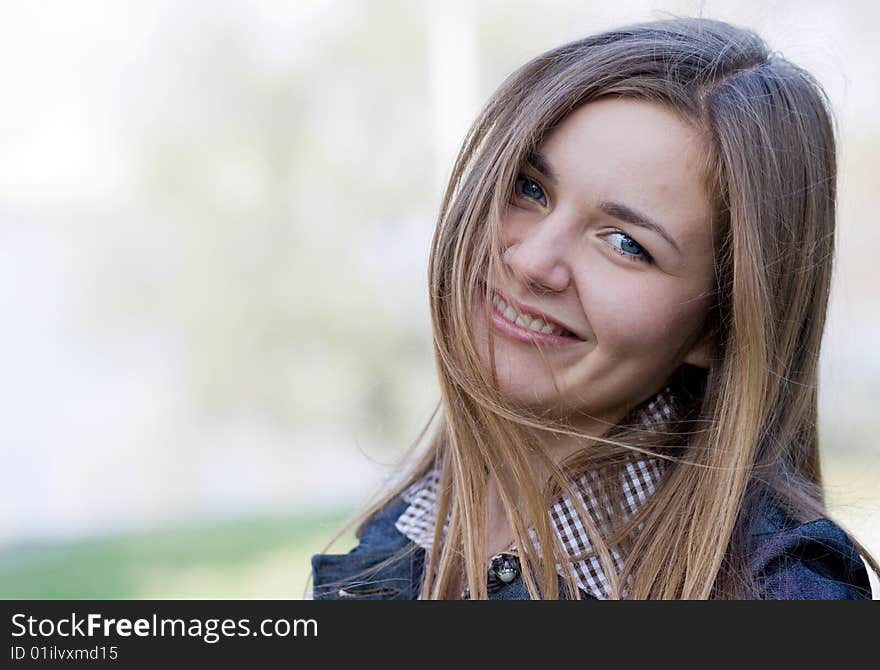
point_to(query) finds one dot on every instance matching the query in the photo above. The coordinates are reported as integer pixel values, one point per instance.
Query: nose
(539, 258)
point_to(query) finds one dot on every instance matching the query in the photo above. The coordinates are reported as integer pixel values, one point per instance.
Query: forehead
(639, 153)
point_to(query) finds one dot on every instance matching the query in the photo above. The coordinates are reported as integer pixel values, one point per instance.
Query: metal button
(507, 575)
(506, 567)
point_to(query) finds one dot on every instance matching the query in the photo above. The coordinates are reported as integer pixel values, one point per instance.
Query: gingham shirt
(637, 480)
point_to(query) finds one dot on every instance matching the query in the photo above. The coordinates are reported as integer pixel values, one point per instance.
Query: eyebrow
(627, 214)
(613, 209)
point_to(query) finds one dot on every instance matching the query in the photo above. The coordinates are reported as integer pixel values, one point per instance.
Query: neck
(558, 447)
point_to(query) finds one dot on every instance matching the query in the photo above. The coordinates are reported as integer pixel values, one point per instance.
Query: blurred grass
(249, 558)
(270, 557)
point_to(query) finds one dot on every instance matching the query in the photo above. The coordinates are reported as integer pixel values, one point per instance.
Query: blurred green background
(215, 223)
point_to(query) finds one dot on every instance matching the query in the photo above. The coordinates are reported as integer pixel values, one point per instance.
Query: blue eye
(532, 190)
(630, 249)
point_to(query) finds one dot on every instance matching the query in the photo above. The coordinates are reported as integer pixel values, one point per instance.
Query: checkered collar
(638, 480)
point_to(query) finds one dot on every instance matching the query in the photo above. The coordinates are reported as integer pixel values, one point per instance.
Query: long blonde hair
(745, 433)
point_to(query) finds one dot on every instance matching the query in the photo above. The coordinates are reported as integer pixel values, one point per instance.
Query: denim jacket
(810, 561)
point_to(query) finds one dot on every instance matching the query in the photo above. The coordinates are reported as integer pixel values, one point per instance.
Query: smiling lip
(530, 311)
(527, 335)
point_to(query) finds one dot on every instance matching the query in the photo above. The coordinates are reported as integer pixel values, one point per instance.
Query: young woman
(628, 287)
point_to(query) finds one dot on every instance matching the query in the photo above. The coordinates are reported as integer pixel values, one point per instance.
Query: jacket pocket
(368, 592)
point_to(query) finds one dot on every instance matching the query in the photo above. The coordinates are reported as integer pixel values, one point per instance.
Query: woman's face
(635, 294)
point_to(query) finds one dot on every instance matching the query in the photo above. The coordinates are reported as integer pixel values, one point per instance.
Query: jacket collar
(378, 568)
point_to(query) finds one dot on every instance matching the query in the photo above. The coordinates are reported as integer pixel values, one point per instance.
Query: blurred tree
(267, 197)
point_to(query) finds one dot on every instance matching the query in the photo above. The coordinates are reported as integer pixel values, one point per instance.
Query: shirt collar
(638, 480)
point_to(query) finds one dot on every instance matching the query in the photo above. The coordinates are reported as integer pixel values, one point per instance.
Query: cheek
(515, 221)
(642, 318)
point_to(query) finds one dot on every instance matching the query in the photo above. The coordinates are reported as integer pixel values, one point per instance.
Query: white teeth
(537, 325)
